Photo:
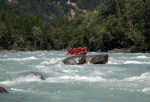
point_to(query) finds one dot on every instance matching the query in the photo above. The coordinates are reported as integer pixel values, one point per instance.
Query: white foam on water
(119, 61)
(132, 62)
(52, 61)
(42, 68)
(5, 55)
(20, 59)
(41, 55)
(53, 80)
(28, 78)
(147, 89)
(131, 89)
(142, 77)
(46, 62)
(136, 62)
(122, 89)
(93, 52)
(59, 65)
(111, 60)
(97, 73)
(28, 90)
(68, 78)
(69, 71)
(8, 83)
(16, 90)
(140, 57)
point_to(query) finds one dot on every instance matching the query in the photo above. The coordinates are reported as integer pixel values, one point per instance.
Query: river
(125, 78)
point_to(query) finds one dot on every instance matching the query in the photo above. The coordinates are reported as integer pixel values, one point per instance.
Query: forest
(110, 24)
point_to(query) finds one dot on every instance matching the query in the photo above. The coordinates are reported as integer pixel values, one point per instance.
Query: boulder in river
(97, 59)
(3, 90)
(83, 58)
(74, 60)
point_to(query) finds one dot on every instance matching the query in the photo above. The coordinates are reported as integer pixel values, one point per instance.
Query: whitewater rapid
(125, 73)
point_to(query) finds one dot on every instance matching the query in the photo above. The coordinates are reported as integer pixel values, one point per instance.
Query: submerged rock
(82, 58)
(3, 90)
(36, 74)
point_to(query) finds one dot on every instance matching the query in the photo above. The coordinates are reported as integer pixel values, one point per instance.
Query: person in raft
(76, 51)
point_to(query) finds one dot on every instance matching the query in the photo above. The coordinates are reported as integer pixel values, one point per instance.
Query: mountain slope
(46, 8)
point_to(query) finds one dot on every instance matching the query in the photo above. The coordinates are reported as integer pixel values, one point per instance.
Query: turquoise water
(125, 78)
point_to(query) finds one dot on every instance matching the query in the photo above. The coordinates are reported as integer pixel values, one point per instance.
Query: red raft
(77, 51)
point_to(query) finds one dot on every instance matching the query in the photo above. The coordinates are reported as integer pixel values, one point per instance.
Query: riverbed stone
(75, 60)
(37, 74)
(86, 59)
(97, 59)
(3, 90)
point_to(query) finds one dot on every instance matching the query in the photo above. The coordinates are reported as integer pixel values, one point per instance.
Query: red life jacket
(77, 51)
(73, 51)
(84, 51)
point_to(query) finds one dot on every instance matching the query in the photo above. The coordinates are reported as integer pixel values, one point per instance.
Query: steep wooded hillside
(112, 24)
(47, 8)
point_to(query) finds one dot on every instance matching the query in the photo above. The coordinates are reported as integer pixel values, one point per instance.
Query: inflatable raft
(77, 51)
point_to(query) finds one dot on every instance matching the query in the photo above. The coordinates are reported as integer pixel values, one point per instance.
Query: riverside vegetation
(104, 24)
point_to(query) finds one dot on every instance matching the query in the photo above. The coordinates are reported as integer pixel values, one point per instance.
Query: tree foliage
(113, 24)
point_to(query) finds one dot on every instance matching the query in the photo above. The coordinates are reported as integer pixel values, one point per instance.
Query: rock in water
(3, 90)
(83, 58)
(36, 74)
(97, 59)
(74, 60)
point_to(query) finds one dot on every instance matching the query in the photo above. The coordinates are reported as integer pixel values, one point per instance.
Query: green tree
(37, 37)
(2, 34)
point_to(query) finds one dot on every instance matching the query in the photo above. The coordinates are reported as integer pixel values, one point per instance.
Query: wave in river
(19, 59)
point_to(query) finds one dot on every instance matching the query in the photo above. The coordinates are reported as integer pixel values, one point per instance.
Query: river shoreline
(115, 50)
(129, 50)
